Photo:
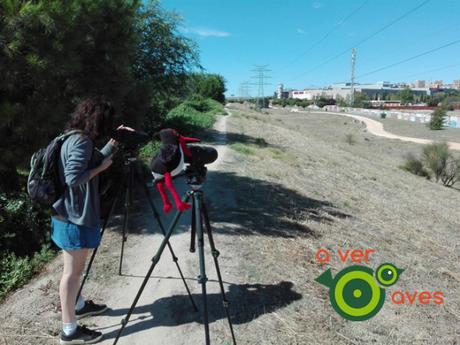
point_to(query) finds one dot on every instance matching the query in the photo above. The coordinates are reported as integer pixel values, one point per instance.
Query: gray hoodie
(80, 203)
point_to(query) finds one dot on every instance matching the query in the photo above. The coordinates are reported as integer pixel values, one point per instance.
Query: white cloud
(206, 32)
(301, 31)
(317, 5)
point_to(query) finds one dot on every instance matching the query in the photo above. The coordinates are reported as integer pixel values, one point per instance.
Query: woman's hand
(105, 163)
(103, 166)
(123, 127)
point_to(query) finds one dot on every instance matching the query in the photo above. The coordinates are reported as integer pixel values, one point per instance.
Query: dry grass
(368, 202)
(418, 130)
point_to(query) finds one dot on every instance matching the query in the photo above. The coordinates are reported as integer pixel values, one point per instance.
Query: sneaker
(82, 335)
(90, 309)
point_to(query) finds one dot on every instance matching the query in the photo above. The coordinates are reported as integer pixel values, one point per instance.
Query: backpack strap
(68, 134)
(59, 140)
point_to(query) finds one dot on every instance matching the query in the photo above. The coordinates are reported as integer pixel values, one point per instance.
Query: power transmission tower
(244, 89)
(260, 74)
(352, 88)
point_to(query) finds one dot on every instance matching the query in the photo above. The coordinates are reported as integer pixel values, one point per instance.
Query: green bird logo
(354, 293)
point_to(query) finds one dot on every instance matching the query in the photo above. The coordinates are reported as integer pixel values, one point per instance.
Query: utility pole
(260, 74)
(244, 89)
(352, 88)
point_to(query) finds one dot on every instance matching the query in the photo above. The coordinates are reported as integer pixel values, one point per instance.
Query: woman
(76, 221)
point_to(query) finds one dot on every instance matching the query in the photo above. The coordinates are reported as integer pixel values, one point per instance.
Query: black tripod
(199, 215)
(130, 174)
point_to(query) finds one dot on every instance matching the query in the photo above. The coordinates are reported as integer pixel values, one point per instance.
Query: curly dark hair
(94, 116)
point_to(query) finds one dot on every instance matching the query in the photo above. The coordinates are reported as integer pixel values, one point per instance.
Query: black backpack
(44, 185)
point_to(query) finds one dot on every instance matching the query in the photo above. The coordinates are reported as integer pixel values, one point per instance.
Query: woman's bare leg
(74, 264)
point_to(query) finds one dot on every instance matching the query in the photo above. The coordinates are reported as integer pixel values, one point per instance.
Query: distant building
(301, 94)
(420, 83)
(437, 84)
(456, 84)
(281, 92)
(377, 91)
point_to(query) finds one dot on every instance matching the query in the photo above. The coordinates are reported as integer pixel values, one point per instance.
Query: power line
(317, 43)
(431, 70)
(364, 40)
(260, 75)
(414, 74)
(410, 58)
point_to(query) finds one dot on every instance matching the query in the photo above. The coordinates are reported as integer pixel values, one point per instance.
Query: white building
(375, 91)
(420, 83)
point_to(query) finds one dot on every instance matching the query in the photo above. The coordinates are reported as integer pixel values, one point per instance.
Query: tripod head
(196, 170)
(195, 175)
(129, 156)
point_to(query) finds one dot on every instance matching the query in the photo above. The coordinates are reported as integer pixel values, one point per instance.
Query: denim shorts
(70, 236)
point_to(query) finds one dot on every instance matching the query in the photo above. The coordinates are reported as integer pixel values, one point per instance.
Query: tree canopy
(54, 53)
(208, 86)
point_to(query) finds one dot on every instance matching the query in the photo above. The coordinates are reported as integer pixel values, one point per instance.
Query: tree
(437, 119)
(406, 96)
(361, 100)
(163, 60)
(322, 101)
(208, 86)
(54, 53)
(341, 102)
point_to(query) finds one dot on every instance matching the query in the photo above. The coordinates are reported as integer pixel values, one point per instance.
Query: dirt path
(163, 314)
(376, 128)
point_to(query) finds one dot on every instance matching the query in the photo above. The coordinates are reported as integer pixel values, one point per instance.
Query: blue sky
(297, 38)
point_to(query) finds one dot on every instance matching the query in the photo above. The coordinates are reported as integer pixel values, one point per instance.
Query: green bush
(15, 271)
(24, 228)
(436, 157)
(415, 166)
(186, 118)
(383, 115)
(198, 103)
(149, 150)
(291, 102)
(215, 107)
(437, 119)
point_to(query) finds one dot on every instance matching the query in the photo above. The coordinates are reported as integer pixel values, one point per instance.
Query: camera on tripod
(174, 158)
(196, 170)
(130, 140)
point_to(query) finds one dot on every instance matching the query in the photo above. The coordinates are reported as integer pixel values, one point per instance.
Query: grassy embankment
(301, 185)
